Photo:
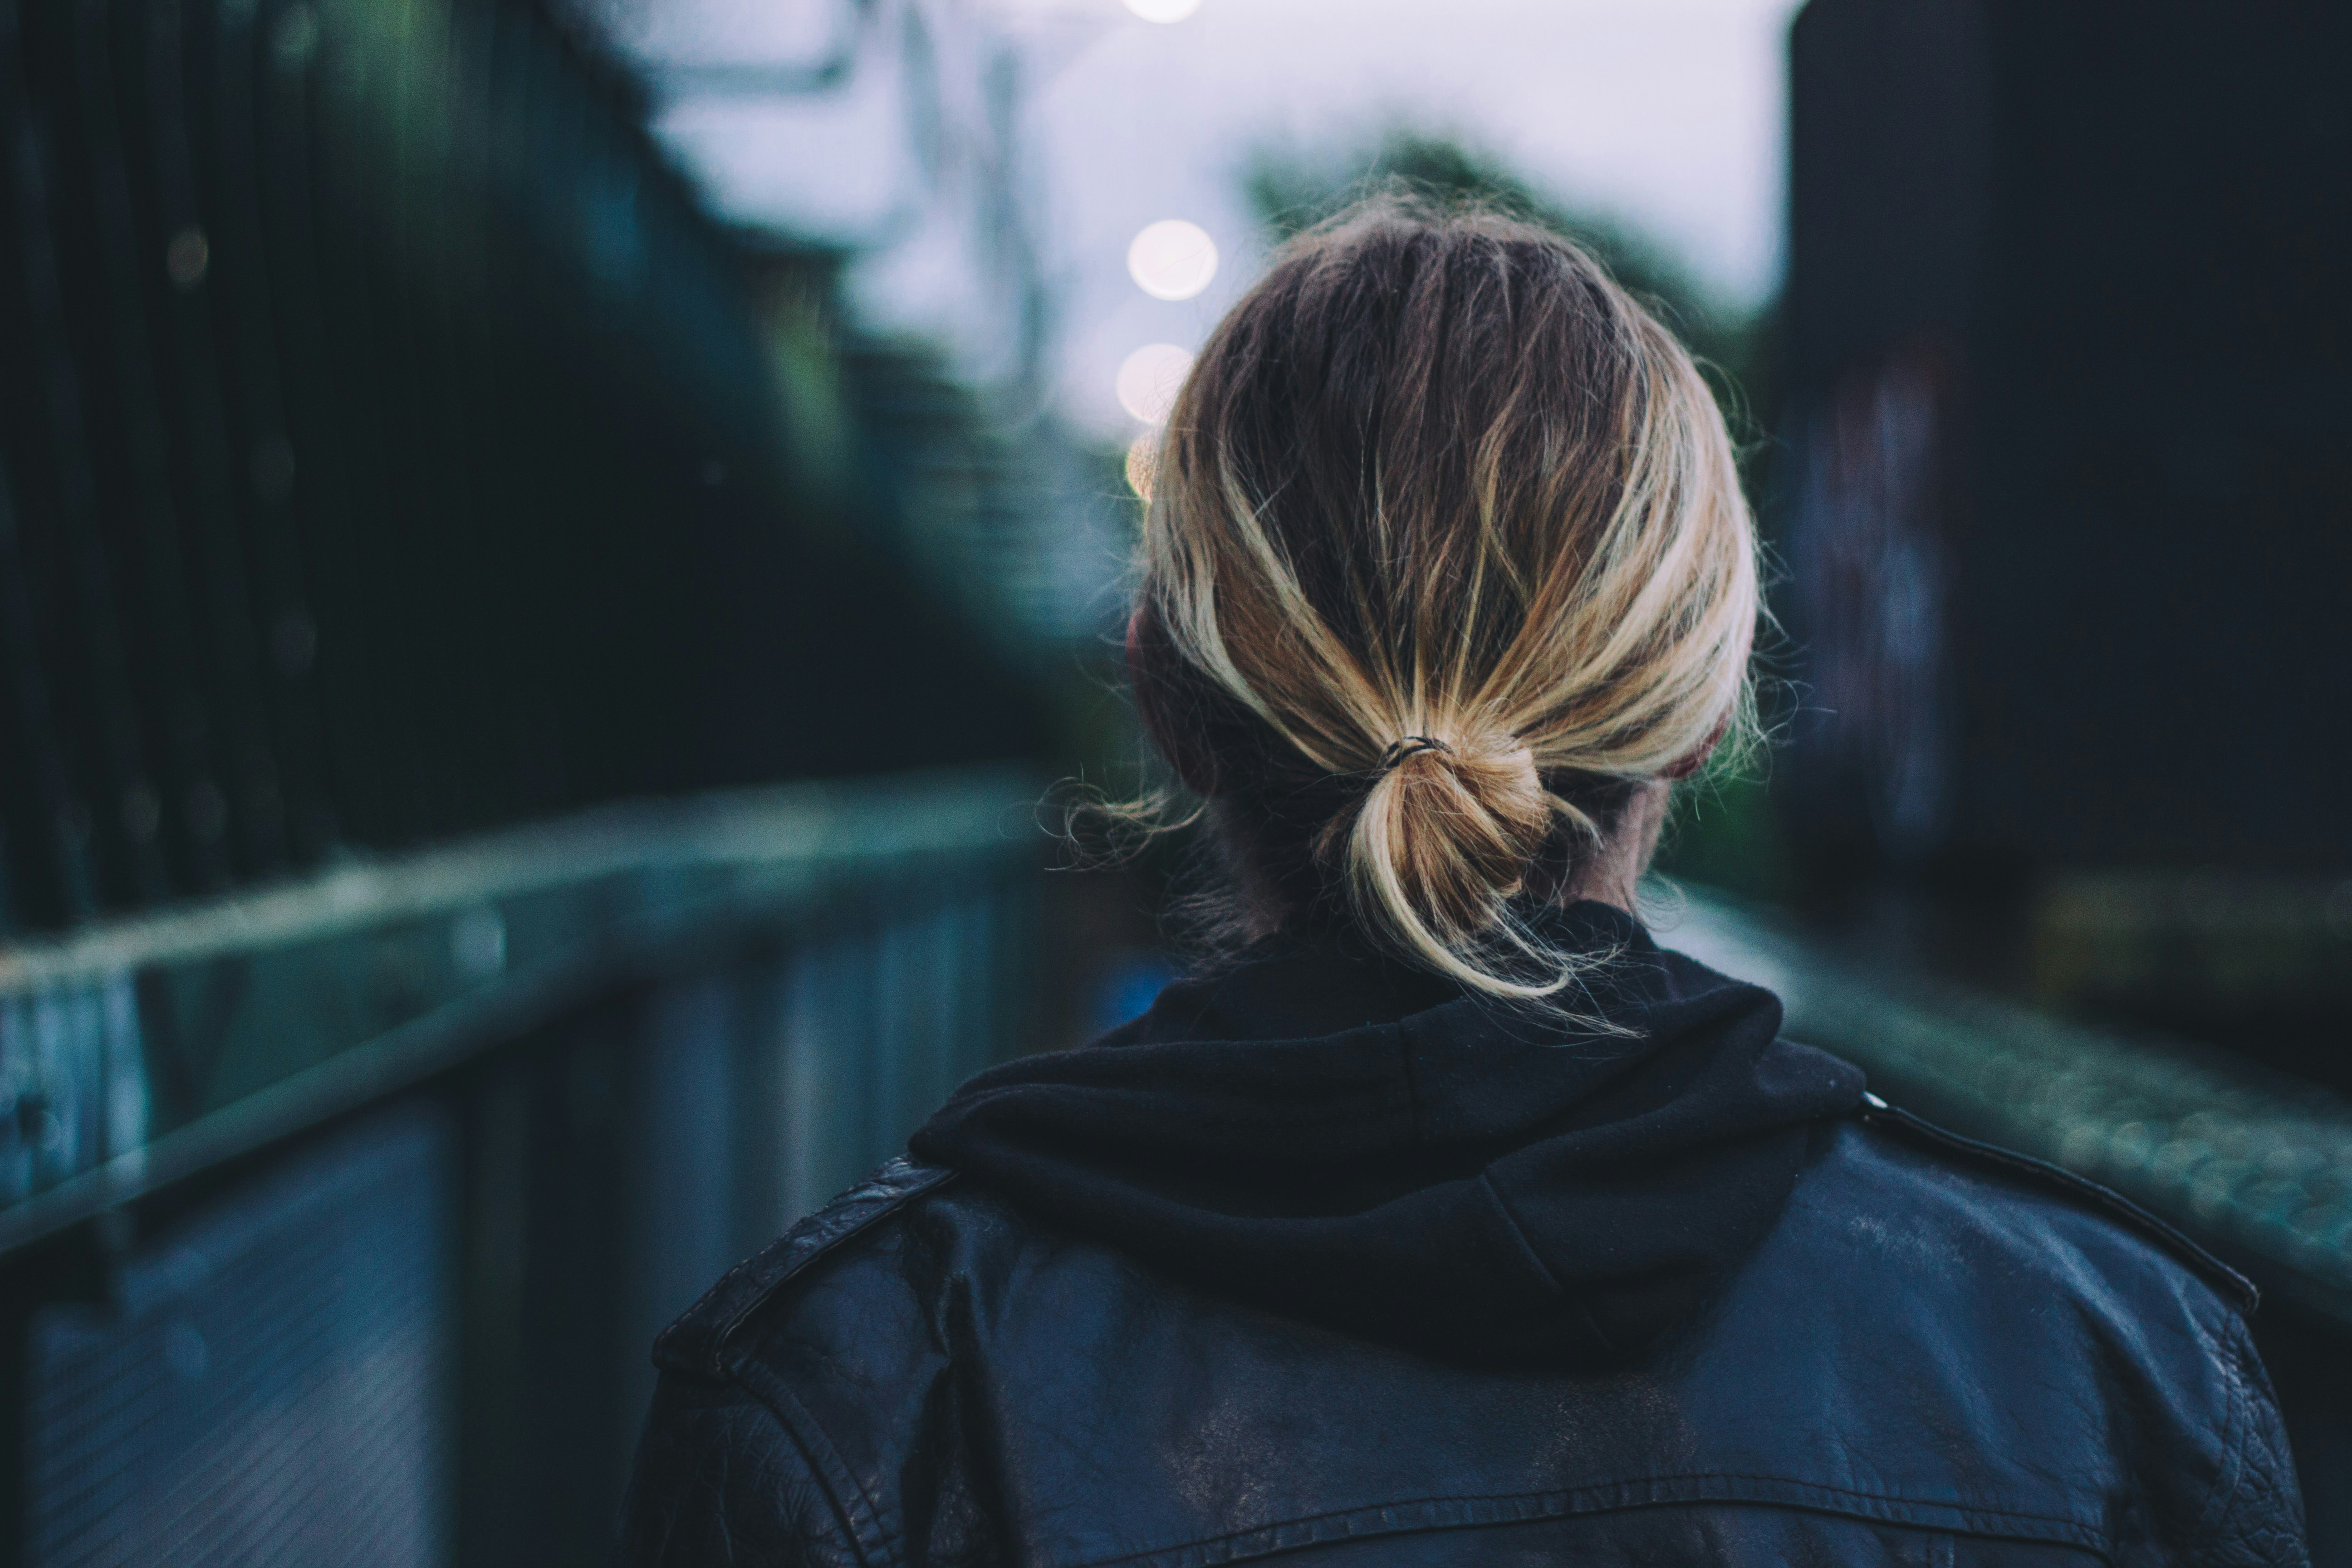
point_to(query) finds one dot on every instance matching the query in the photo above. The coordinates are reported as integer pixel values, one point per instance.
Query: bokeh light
(1143, 463)
(1150, 379)
(1163, 10)
(1172, 259)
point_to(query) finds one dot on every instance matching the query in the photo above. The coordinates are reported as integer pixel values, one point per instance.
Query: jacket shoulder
(694, 1346)
(2078, 1193)
(2127, 1394)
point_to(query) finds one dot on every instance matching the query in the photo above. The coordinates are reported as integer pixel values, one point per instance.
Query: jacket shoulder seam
(2234, 1427)
(2238, 1290)
(860, 1514)
(1463, 1510)
(695, 1345)
(815, 1458)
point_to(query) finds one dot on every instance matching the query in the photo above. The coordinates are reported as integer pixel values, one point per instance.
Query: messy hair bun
(1446, 554)
(1443, 841)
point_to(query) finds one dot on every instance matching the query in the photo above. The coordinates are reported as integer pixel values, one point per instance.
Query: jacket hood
(1348, 1141)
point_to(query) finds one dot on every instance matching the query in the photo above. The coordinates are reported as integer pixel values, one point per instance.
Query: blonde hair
(1446, 554)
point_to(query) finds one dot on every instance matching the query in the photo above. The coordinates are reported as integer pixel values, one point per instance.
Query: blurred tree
(1722, 831)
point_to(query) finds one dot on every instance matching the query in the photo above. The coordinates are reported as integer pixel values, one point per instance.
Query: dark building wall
(2069, 524)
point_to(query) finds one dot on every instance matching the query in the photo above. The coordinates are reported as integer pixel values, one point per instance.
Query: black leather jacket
(1932, 1354)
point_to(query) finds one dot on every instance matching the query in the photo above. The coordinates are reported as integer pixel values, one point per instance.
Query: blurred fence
(398, 1170)
(390, 447)
(394, 454)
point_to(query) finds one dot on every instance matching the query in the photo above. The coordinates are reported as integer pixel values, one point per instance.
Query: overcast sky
(1665, 113)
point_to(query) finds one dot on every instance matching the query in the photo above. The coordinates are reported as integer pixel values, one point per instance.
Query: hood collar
(1329, 1134)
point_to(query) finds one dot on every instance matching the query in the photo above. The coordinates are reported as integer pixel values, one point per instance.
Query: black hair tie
(1408, 747)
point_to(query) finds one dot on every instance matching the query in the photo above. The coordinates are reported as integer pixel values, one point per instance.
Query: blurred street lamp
(1142, 464)
(1150, 380)
(1172, 259)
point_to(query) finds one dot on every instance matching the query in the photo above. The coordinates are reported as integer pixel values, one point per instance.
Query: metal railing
(571, 1072)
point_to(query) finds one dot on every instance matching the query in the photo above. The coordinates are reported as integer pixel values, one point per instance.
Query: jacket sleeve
(2256, 1517)
(719, 1483)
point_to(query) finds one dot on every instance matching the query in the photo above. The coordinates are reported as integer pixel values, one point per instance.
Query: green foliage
(1723, 832)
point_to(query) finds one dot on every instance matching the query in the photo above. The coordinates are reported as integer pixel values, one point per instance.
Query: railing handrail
(783, 825)
(666, 883)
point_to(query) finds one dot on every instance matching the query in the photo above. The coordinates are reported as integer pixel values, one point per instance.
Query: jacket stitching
(1558, 1505)
(869, 1536)
(2235, 1426)
(846, 1528)
(719, 1292)
(881, 1207)
(2137, 1216)
(860, 1512)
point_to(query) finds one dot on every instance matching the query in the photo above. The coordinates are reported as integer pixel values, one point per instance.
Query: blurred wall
(2069, 507)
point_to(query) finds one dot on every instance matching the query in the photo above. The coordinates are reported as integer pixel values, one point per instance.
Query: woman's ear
(1698, 755)
(1147, 661)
